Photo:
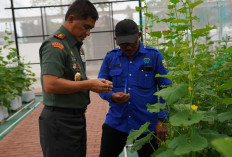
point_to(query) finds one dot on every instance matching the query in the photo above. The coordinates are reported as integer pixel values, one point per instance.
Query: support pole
(15, 29)
(141, 20)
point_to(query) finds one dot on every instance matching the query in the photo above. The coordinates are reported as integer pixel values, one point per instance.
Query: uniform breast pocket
(145, 79)
(116, 77)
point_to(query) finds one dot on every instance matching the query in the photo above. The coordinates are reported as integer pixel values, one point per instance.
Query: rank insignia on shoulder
(164, 64)
(59, 35)
(58, 45)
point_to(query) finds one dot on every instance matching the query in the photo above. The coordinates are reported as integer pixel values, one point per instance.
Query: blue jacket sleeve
(162, 69)
(104, 74)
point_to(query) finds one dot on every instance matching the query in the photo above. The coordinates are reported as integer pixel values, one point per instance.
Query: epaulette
(150, 48)
(114, 50)
(59, 36)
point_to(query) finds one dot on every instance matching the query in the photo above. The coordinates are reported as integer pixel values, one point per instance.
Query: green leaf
(156, 107)
(149, 15)
(171, 6)
(181, 21)
(182, 10)
(165, 76)
(138, 144)
(181, 107)
(193, 5)
(229, 49)
(227, 101)
(209, 116)
(210, 135)
(168, 153)
(189, 60)
(181, 27)
(184, 118)
(173, 49)
(19, 84)
(225, 116)
(167, 20)
(160, 150)
(197, 143)
(180, 140)
(134, 134)
(174, 93)
(205, 89)
(174, 1)
(224, 146)
(228, 84)
(6, 38)
(139, 8)
(157, 34)
(184, 145)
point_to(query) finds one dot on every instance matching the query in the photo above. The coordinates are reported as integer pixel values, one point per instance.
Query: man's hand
(101, 85)
(161, 131)
(120, 97)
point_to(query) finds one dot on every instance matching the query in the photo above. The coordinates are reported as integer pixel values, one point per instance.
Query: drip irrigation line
(19, 110)
(19, 119)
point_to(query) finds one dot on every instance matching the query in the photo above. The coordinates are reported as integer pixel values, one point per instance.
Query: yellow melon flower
(194, 107)
(190, 88)
(194, 66)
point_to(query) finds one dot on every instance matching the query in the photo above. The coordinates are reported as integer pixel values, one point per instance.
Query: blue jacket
(137, 77)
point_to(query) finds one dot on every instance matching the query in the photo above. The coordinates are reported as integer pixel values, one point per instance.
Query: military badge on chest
(82, 55)
(73, 57)
(74, 66)
(74, 60)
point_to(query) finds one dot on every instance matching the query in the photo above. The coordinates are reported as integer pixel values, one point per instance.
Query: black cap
(126, 31)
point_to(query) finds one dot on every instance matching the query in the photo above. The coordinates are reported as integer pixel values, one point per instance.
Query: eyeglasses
(124, 45)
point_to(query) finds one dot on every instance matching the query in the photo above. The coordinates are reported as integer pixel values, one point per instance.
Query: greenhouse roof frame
(47, 6)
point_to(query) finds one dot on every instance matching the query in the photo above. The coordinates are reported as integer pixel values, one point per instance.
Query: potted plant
(28, 91)
(15, 76)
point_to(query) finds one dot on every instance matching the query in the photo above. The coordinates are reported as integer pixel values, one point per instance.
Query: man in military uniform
(132, 69)
(65, 86)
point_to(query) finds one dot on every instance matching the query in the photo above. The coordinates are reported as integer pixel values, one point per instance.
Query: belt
(66, 110)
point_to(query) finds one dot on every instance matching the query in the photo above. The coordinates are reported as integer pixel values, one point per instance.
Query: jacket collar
(140, 50)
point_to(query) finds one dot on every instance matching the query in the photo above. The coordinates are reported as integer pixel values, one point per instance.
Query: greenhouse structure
(195, 40)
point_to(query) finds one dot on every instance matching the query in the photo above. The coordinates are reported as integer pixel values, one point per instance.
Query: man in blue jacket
(132, 69)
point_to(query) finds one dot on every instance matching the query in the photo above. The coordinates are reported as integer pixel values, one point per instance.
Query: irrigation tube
(125, 153)
(19, 110)
(19, 119)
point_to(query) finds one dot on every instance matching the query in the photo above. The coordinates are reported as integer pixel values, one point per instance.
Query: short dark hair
(82, 9)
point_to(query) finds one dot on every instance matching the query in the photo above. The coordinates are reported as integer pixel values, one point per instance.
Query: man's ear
(139, 35)
(71, 18)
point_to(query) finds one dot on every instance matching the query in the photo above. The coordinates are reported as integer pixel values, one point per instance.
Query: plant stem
(156, 137)
(152, 146)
